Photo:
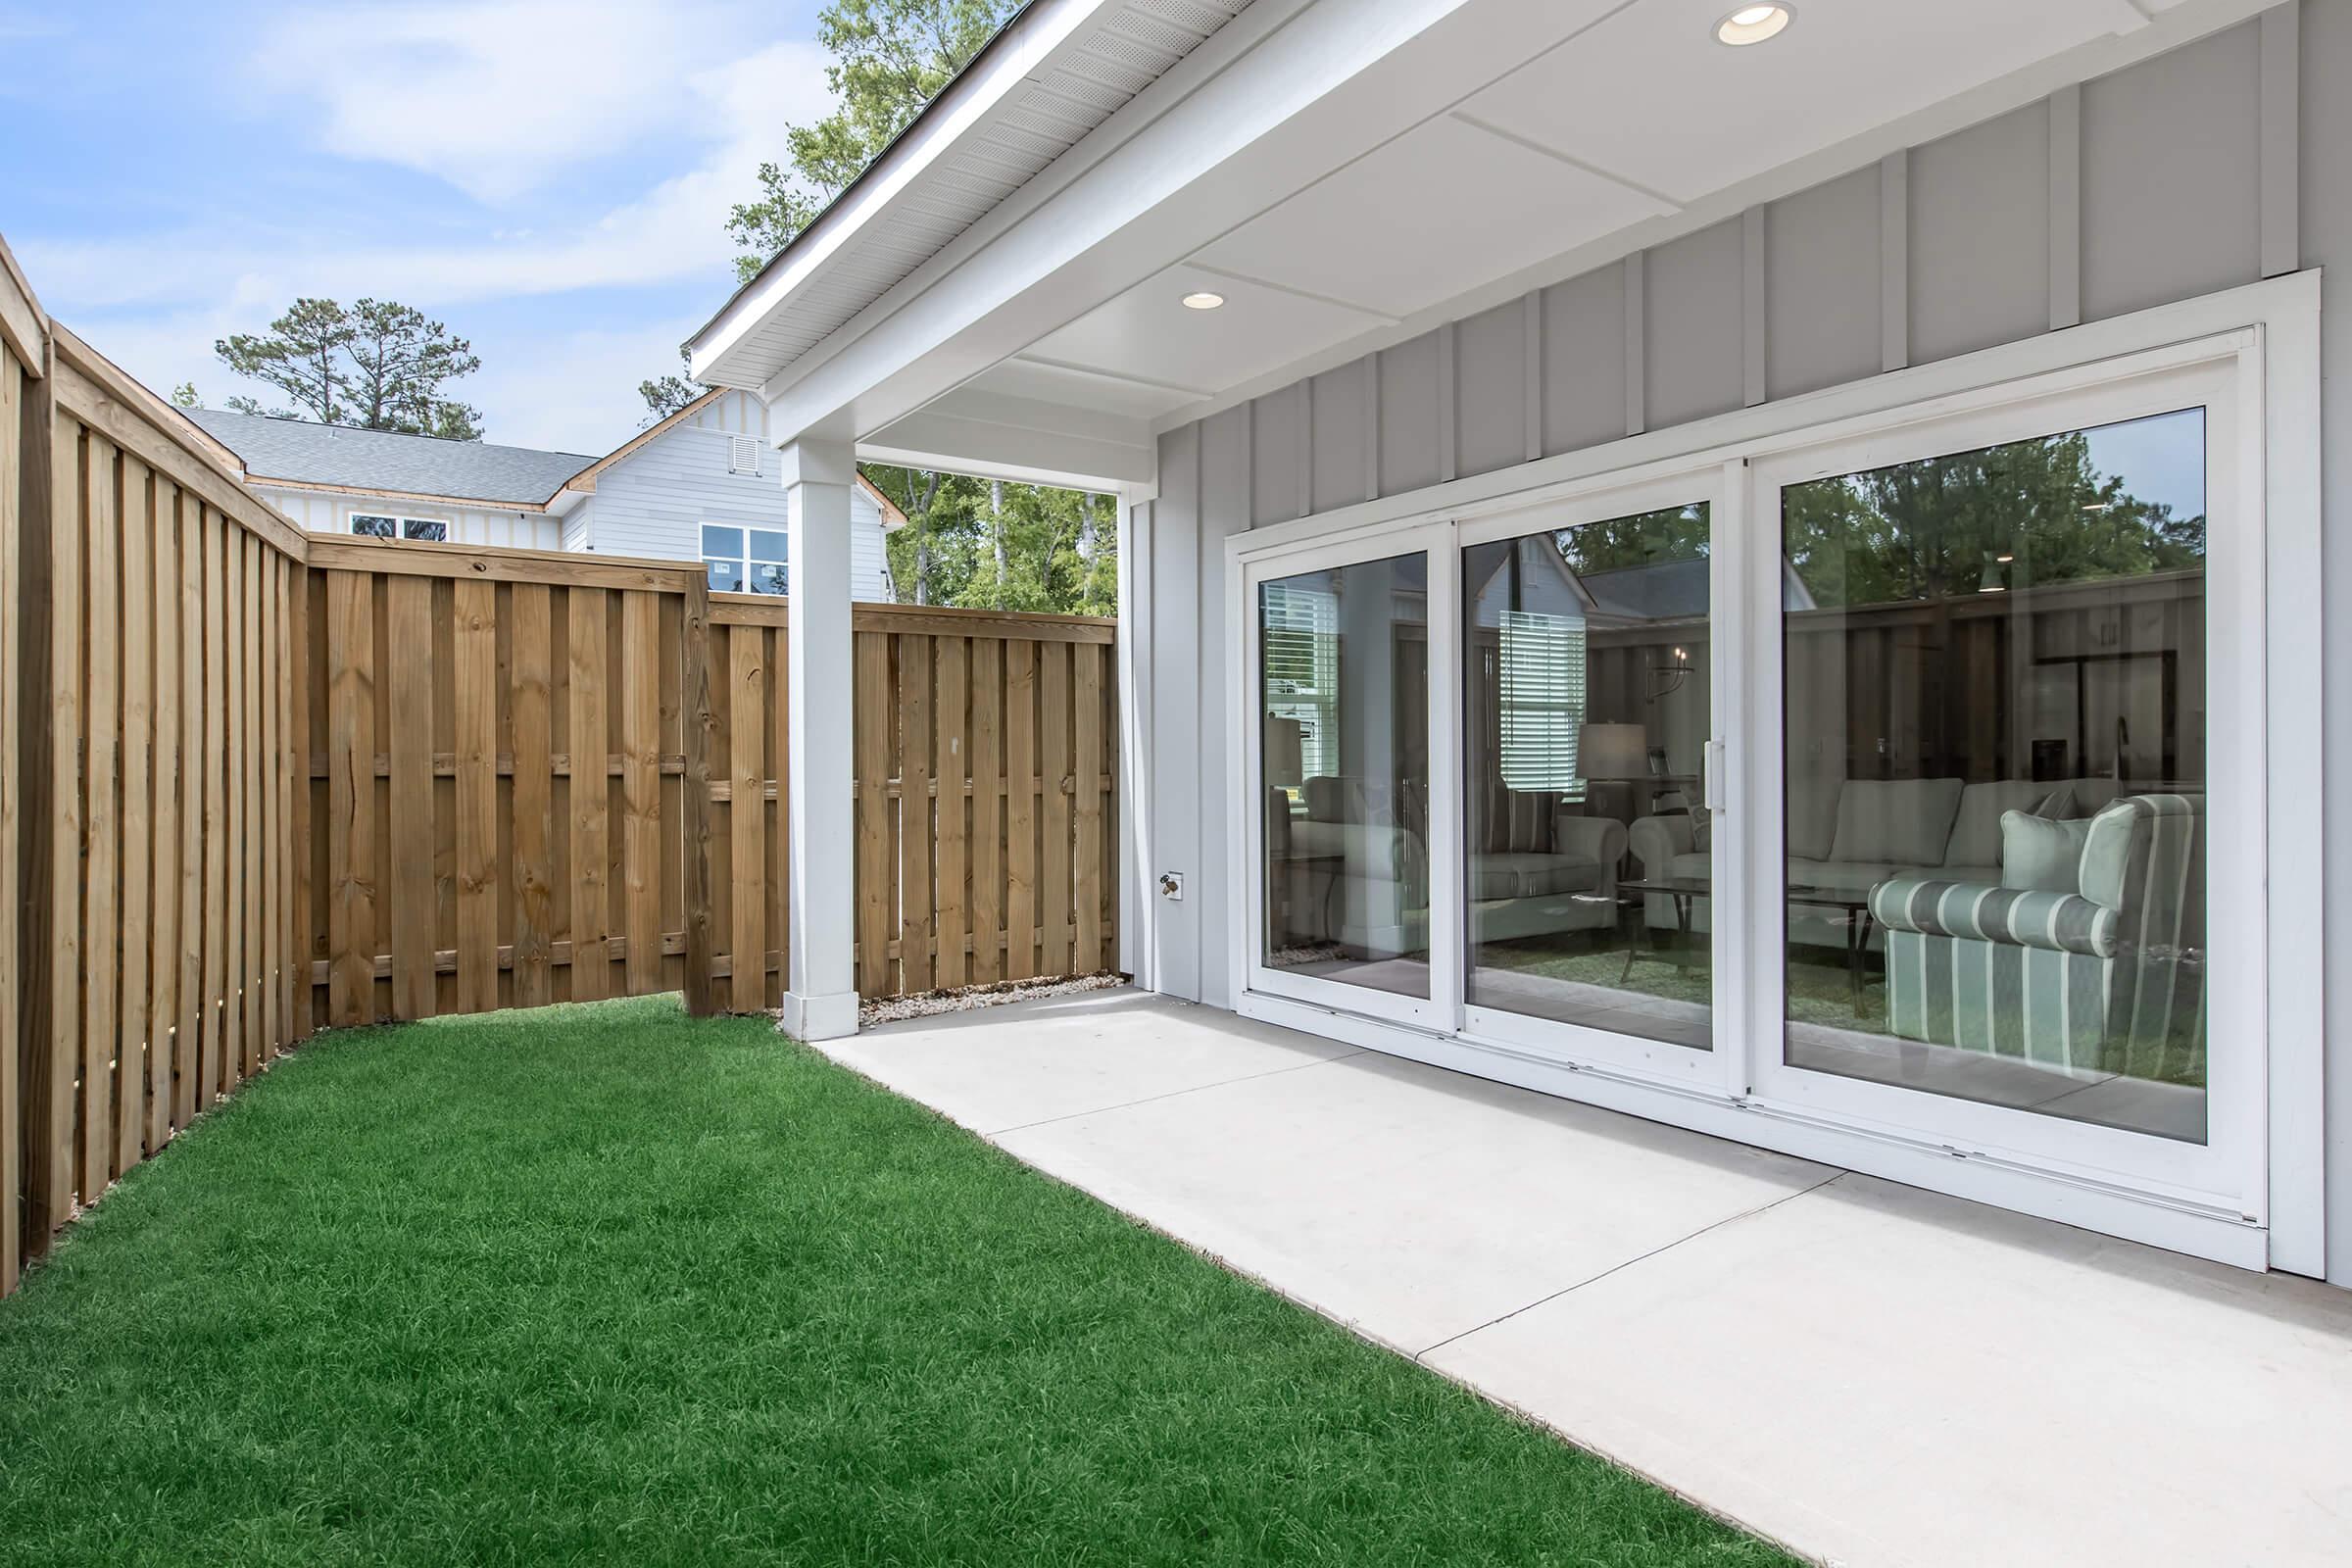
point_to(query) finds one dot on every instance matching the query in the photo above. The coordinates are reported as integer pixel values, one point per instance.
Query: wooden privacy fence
(150, 686)
(257, 781)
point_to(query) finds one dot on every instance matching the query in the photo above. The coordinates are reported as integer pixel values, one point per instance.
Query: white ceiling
(1621, 120)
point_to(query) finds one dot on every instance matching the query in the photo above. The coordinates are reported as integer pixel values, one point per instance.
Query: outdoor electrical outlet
(1171, 885)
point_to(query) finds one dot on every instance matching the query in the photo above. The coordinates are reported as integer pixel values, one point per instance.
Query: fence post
(23, 710)
(694, 705)
(45, 1090)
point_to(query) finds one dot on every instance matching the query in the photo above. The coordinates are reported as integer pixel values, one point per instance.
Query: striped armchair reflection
(2107, 979)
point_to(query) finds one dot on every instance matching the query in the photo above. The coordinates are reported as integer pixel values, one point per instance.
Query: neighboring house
(1983, 364)
(704, 482)
(701, 484)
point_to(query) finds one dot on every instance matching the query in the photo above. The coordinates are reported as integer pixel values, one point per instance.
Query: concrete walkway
(1870, 1374)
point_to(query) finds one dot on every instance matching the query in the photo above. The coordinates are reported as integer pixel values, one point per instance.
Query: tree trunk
(995, 527)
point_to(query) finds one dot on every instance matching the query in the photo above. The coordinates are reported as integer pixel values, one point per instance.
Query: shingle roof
(380, 460)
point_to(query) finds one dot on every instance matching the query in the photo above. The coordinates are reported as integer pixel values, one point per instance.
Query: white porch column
(820, 994)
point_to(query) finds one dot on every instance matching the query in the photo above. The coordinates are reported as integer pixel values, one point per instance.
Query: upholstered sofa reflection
(1849, 836)
(1349, 867)
(2108, 978)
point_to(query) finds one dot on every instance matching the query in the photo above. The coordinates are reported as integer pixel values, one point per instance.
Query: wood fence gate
(257, 781)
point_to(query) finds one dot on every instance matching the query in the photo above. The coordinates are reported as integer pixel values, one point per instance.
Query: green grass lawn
(604, 1285)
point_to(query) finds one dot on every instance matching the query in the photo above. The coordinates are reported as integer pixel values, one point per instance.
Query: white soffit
(1112, 55)
(1045, 382)
(1648, 95)
(1412, 218)
(1149, 334)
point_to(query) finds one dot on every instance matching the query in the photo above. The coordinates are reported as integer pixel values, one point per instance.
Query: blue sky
(548, 177)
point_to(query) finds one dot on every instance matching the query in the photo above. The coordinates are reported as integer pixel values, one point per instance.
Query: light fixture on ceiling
(1202, 301)
(1753, 24)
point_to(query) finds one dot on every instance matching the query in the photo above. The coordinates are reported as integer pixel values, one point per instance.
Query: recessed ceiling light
(1202, 301)
(1753, 24)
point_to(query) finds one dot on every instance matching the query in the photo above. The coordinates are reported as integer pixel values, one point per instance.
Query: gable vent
(743, 454)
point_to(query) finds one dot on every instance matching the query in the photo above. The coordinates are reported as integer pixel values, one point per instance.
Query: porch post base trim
(829, 1016)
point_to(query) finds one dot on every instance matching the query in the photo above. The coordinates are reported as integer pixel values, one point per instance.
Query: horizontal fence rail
(257, 782)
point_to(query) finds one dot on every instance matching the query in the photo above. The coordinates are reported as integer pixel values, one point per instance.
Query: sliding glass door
(1589, 831)
(1353, 879)
(2004, 751)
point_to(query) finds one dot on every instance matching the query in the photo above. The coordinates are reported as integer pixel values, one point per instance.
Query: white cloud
(675, 229)
(495, 98)
(575, 390)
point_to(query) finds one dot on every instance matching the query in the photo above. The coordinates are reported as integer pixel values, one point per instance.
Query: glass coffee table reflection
(1851, 906)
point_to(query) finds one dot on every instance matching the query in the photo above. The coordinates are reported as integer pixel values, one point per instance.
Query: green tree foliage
(377, 366)
(1061, 547)
(966, 541)
(183, 396)
(2036, 511)
(889, 58)
(666, 395)
(2030, 512)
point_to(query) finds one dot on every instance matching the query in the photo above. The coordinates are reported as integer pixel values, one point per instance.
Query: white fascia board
(971, 102)
(1201, 167)
(931, 438)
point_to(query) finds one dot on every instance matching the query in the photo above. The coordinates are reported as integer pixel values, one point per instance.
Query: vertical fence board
(951, 759)
(987, 903)
(351, 798)
(694, 705)
(140, 1056)
(747, 774)
(476, 665)
(101, 849)
(188, 1029)
(915, 826)
(590, 832)
(1020, 810)
(250, 906)
(779, 819)
(641, 788)
(1053, 768)
(304, 700)
(409, 736)
(239, 744)
(134, 1074)
(531, 695)
(874, 719)
(14, 692)
(49, 1089)
(210, 1073)
(272, 835)
(164, 879)
(1086, 773)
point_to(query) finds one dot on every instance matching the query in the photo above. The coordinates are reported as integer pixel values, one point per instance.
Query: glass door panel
(1343, 715)
(1586, 714)
(1994, 759)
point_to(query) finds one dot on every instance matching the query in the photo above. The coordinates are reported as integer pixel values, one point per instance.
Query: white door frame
(2267, 335)
(1719, 488)
(1440, 1009)
(2225, 1172)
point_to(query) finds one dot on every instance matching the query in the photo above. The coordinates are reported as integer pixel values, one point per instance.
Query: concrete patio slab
(1888, 1375)
(1410, 1203)
(1870, 1374)
(996, 1068)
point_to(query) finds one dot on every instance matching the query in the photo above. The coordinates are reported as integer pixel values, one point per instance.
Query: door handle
(1710, 786)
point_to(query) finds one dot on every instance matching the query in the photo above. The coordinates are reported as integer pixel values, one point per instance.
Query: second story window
(375, 525)
(744, 560)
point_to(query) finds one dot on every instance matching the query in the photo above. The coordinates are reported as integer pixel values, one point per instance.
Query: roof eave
(1026, 39)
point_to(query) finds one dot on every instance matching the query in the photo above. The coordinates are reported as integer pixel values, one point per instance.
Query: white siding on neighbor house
(330, 512)
(2158, 176)
(655, 501)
